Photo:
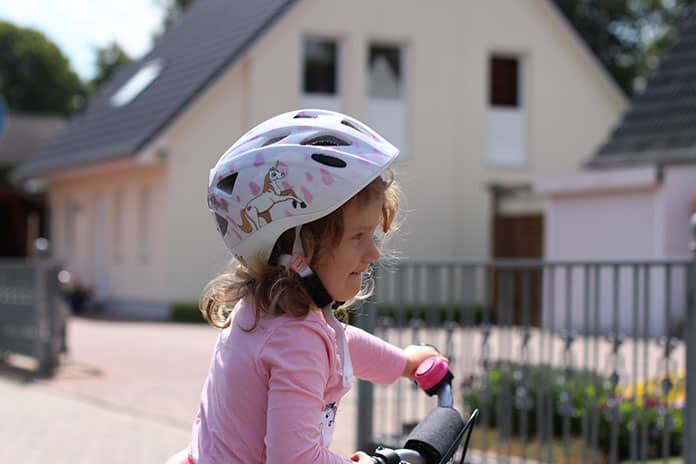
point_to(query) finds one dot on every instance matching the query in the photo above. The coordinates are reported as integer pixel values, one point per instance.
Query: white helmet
(291, 170)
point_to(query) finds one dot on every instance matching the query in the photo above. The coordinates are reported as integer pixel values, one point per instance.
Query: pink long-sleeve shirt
(272, 393)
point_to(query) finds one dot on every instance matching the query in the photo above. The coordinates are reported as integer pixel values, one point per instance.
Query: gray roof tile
(24, 134)
(660, 124)
(195, 50)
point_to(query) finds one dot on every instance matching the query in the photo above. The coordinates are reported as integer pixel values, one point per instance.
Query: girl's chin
(349, 291)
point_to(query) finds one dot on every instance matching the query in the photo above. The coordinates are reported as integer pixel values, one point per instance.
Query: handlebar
(437, 437)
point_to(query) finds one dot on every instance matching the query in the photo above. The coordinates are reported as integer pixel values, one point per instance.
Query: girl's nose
(372, 254)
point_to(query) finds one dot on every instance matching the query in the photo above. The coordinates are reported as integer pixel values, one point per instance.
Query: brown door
(517, 237)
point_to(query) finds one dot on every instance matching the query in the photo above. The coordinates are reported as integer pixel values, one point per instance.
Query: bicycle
(436, 439)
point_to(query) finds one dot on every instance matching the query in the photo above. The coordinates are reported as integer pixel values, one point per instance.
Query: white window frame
(144, 223)
(505, 123)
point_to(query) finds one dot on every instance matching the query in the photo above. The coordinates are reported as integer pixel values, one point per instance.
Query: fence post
(690, 338)
(44, 346)
(366, 390)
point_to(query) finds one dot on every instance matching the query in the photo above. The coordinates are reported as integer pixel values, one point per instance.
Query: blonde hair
(277, 290)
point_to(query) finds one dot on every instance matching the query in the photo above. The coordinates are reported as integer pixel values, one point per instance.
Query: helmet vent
(329, 160)
(352, 126)
(326, 141)
(305, 116)
(227, 184)
(222, 224)
(275, 139)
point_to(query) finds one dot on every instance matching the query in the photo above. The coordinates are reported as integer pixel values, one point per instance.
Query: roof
(660, 124)
(24, 134)
(208, 37)
(206, 40)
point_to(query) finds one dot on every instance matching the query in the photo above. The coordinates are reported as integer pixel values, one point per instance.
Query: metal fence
(567, 361)
(32, 316)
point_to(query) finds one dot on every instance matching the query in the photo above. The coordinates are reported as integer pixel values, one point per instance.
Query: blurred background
(549, 175)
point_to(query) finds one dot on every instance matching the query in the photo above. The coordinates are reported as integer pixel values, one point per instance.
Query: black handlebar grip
(435, 434)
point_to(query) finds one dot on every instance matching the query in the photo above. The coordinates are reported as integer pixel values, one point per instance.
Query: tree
(172, 10)
(109, 59)
(35, 76)
(626, 35)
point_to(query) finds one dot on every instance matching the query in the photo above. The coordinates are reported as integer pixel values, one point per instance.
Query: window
(144, 224)
(504, 82)
(320, 63)
(385, 78)
(139, 82)
(69, 230)
(118, 225)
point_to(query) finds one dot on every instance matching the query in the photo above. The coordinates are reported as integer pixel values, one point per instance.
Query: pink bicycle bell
(432, 374)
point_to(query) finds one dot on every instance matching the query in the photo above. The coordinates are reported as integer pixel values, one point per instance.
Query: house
(633, 200)
(23, 214)
(481, 96)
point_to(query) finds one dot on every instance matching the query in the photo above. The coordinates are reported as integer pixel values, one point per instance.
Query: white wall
(620, 215)
(613, 226)
(116, 274)
(679, 187)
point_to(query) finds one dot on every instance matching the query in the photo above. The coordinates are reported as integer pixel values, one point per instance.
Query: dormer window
(139, 82)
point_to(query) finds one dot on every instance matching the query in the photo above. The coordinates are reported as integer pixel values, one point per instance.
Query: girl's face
(340, 269)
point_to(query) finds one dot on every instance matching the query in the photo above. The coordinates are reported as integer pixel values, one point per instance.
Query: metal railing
(32, 315)
(567, 361)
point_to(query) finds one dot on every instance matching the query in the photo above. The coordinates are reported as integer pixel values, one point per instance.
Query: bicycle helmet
(291, 170)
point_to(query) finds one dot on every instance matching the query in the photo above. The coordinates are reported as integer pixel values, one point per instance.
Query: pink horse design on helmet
(272, 194)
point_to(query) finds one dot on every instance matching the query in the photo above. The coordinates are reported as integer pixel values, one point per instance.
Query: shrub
(511, 392)
(186, 312)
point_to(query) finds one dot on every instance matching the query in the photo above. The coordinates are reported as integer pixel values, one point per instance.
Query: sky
(77, 27)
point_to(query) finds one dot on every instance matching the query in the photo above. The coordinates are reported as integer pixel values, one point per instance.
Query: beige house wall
(123, 256)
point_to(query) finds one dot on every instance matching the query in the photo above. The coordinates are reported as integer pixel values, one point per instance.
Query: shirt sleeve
(296, 358)
(374, 359)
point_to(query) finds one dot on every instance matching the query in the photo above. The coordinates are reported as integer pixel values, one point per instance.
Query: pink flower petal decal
(258, 161)
(286, 186)
(255, 189)
(307, 196)
(326, 177)
(308, 176)
(288, 213)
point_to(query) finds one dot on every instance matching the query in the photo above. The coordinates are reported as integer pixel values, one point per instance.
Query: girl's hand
(416, 354)
(362, 458)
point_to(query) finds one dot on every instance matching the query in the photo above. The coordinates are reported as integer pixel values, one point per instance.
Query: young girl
(298, 201)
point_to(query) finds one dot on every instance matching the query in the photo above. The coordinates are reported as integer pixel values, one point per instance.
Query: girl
(298, 200)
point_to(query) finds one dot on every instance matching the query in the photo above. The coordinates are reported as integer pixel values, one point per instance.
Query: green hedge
(436, 314)
(586, 394)
(186, 311)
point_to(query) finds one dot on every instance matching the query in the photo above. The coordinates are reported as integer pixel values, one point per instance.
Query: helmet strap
(310, 281)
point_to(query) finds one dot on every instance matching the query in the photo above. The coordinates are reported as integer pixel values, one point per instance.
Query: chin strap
(310, 281)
